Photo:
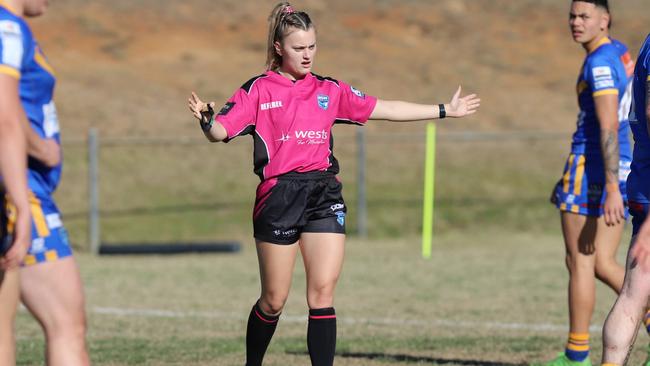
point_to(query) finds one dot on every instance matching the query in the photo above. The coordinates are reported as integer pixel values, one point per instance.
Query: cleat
(563, 360)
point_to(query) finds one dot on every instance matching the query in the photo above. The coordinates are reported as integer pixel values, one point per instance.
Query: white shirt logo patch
(12, 44)
(271, 105)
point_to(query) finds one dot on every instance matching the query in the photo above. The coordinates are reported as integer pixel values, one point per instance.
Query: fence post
(93, 191)
(362, 208)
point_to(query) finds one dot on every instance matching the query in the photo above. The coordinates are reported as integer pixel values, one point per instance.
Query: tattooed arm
(607, 112)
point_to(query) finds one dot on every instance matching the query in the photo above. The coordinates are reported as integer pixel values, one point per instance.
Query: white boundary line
(157, 313)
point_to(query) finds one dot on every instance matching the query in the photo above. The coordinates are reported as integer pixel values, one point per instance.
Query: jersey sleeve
(354, 106)
(238, 115)
(602, 76)
(12, 48)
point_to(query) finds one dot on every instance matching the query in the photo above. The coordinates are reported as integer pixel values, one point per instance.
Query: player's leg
(9, 294)
(322, 254)
(276, 262)
(608, 270)
(52, 291)
(621, 326)
(579, 233)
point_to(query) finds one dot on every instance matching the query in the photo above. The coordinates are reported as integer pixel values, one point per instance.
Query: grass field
(487, 297)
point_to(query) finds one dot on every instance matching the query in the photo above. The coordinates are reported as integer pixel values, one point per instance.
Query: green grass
(394, 308)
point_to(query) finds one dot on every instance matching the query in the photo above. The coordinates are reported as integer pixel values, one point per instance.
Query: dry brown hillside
(127, 66)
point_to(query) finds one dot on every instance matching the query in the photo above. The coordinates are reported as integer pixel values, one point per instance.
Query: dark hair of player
(600, 4)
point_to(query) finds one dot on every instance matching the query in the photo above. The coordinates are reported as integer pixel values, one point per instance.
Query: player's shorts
(5, 233)
(639, 212)
(49, 237)
(296, 203)
(582, 187)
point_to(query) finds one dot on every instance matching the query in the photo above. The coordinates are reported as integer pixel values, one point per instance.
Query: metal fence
(171, 188)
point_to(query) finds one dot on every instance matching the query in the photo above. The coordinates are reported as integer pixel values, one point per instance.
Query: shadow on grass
(417, 359)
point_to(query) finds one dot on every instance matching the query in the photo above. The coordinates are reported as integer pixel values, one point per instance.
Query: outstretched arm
(13, 162)
(212, 129)
(394, 110)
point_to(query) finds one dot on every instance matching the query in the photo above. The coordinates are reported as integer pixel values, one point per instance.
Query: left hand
(614, 208)
(462, 106)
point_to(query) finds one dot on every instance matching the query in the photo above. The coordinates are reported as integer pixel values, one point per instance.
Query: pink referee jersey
(291, 122)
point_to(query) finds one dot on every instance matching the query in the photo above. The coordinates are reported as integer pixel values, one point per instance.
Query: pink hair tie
(288, 10)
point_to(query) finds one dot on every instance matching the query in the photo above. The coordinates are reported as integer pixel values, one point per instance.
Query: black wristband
(207, 119)
(443, 113)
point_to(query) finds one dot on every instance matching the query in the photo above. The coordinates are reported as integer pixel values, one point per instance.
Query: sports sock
(321, 336)
(259, 331)
(646, 321)
(577, 348)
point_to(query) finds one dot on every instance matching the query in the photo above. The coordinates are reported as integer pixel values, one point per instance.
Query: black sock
(321, 336)
(258, 335)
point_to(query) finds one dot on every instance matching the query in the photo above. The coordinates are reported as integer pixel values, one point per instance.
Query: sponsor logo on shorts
(340, 217)
(323, 101)
(338, 206)
(285, 233)
(271, 105)
(570, 199)
(38, 246)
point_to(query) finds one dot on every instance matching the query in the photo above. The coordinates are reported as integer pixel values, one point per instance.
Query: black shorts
(297, 203)
(5, 238)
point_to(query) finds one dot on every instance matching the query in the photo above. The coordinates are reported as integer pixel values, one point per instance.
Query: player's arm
(204, 112)
(394, 110)
(606, 103)
(13, 162)
(45, 150)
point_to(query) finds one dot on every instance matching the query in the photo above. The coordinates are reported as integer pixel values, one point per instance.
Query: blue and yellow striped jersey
(639, 180)
(603, 73)
(22, 58)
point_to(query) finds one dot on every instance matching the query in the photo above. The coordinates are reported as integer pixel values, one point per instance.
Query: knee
(576, 263)
(320, 297)
(68, 328)
(605, 267)
(272, 303)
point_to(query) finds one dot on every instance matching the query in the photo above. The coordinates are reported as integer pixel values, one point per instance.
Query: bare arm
(394, 110)
(13, 167)
(216, 132)
(45, 150)
(607, 113)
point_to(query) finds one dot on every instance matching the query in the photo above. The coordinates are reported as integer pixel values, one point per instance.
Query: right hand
(614, 209)
(21, 241)
(197, 106)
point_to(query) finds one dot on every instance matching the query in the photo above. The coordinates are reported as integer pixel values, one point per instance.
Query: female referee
(290, 112)
(591, 194)
(50, 285)
(623, 321)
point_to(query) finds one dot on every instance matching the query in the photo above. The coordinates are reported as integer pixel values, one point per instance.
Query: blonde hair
(281, 19)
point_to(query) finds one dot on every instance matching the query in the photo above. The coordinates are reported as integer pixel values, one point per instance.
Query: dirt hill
(127, 66)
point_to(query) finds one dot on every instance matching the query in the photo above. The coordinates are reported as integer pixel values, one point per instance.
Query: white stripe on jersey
(12, 43)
